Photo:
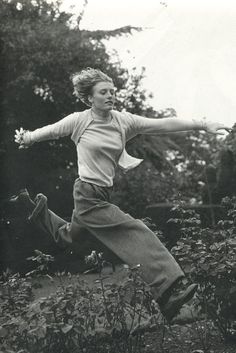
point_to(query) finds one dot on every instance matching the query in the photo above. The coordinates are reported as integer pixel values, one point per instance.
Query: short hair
(85, 80)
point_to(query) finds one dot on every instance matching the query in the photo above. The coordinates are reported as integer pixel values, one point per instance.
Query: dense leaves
(78, 318)
(41, 46)
(39, 51)
(208, 256)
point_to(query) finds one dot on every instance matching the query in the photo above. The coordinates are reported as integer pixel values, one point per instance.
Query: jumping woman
(100, 134)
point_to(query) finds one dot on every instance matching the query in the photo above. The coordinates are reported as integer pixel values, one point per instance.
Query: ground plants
(208, 256)
(77, 318)
(109, 316)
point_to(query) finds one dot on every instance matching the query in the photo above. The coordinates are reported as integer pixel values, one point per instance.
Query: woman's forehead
(104, 85)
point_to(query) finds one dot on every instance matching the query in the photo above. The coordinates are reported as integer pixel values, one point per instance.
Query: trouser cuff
(41, 201)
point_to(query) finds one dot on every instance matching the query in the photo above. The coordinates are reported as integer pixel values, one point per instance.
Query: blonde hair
(85, 80)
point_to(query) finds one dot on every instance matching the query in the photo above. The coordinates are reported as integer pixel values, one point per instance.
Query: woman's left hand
(19, 138)
(214, 127)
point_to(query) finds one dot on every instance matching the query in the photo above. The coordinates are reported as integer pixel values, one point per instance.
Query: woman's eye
(104, 92)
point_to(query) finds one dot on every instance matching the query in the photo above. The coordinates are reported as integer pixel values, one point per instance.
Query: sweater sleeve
(136, 124)
(63, 127)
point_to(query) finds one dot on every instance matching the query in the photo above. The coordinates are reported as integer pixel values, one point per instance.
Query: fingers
(19, 137)
(21, 131)
(216, 132)
(226, 128)
(22, 147)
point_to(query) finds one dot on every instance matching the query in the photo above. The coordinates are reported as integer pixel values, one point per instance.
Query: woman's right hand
(21, 138)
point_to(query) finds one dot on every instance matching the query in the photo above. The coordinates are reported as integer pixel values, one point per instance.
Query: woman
(100, 134)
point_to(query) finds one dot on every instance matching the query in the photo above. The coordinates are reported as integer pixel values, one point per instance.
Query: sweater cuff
(199, 124)
(27, 138)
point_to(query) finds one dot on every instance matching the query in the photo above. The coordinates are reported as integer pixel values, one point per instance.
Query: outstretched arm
(64, 127)
(156, 126)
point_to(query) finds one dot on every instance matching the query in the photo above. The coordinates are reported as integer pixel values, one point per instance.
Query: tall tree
(40, 47)
(39, 51)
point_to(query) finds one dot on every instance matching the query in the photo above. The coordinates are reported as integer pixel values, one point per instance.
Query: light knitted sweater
(98, 152)
(100, 144)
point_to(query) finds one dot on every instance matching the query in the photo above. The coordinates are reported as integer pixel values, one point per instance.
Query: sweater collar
(92, 114)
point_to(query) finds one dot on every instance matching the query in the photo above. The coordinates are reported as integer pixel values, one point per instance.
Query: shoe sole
(173, 310)
(14, 199)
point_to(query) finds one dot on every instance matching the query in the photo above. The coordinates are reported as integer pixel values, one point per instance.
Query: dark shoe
(16, 199)
(176, 300)
(24, 204)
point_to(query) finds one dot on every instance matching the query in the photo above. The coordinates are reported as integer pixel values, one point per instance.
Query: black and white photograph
(118, 176)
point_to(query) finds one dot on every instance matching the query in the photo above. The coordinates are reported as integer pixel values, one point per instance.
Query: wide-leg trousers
(129, 238)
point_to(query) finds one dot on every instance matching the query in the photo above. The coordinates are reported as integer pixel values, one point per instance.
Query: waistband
(98, 186)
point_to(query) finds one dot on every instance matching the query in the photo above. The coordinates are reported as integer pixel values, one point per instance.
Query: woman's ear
(90, 99)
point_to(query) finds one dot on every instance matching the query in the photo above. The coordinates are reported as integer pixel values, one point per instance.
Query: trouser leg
(129, 238)
(61, 231)
(132, 241)
(65, 234)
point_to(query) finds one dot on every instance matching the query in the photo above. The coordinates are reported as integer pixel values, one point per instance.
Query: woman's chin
(108, 107)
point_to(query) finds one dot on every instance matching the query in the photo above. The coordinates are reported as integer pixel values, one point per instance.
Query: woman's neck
(100, 114)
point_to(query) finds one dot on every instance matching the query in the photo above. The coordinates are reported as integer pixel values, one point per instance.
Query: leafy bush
(16, 293)
(43, 261)
(77, 318)
(15, 297)
(208, 257)
(112, 317)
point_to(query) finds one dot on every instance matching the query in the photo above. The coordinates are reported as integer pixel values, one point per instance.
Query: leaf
(65, 329)
(232, 242)
(204, 267)
(3, 332)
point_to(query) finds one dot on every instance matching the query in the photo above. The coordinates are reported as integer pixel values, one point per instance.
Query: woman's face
(103, 96)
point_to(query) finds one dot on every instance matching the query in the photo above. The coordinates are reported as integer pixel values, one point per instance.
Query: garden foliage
(41, 46)
(107, 317)
(115, 317)
(208, 256)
